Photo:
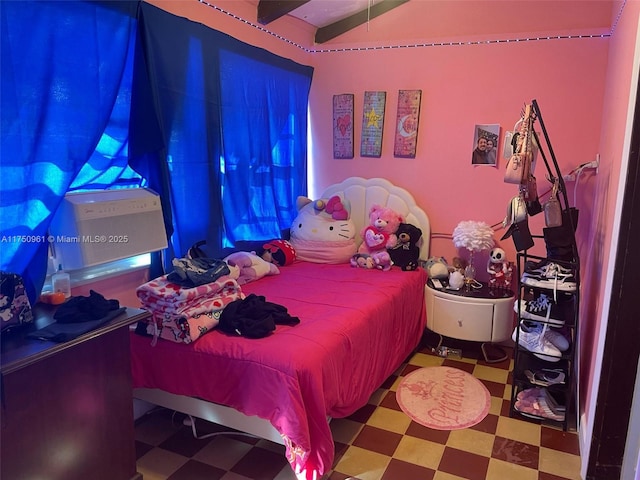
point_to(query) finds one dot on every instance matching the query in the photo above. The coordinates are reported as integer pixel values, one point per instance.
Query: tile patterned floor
(378, 442)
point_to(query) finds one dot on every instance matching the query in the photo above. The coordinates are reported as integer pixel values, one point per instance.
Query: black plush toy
(407, 252)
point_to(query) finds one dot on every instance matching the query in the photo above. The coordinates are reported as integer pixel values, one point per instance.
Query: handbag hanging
(516, 222)
(516, 211)
(519, 165)
(530, 192)
(520, 234)
(552, 208)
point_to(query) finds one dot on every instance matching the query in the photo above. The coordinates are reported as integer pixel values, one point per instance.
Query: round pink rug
(443, 398)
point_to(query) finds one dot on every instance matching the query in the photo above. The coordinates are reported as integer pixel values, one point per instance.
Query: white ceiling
(441, 18)
(321, 13)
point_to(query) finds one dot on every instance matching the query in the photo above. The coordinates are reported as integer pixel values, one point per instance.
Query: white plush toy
(437, 267)
(250, 267)
(323, 231)
(456, 280)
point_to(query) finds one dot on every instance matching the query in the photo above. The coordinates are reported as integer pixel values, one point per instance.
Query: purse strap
(527, 148)
(554, 189)
(527, 125)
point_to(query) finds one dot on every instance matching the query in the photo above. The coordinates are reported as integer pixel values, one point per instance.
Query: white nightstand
(478, 315)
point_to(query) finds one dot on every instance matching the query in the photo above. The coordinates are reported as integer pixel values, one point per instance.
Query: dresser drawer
(463, 320)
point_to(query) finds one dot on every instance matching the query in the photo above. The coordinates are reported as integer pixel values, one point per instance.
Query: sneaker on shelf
(536, 268)
(532, 338)
(551, 276)
(537, 403)
(545, 377)
(552, 402)
(557, 339)
(542, 309)
(528, 394)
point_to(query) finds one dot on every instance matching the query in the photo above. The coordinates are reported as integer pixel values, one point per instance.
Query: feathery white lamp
(475, 237)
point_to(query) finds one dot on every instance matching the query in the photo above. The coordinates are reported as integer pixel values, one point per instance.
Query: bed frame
(362, 193)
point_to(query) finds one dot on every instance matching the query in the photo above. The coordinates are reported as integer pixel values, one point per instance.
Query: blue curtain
(222, 129)
(108, 166)
(264, 116)
(62, 69)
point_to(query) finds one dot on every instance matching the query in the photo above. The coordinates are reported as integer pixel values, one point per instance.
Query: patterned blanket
(182, 314)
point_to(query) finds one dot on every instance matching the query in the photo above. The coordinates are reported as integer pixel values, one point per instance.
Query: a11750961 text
(64, 238)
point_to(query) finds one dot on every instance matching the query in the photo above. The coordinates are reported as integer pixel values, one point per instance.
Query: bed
(356, 328)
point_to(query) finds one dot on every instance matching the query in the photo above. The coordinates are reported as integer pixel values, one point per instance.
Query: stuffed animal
(381, 231)
(406, 253)
(323, 231)
(362, 260)
(250, 267)
(373, 240)
(380, 235)
(374, 246)
(437, 267)
(458, 265)
(382, 260)
(496, 261)
(499, 269)
(280, 252)
(456, 280)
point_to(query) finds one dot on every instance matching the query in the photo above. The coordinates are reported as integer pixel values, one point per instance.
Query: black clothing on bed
(254, 317)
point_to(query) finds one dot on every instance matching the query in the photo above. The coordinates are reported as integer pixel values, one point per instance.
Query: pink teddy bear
(380, 235)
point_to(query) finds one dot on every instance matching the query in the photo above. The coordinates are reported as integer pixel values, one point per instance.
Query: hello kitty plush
(380, 235)
(323, 231)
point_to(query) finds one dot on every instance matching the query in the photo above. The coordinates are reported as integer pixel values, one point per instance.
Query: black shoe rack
(554, 404)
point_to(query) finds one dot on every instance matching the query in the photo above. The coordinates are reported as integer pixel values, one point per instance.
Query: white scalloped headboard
(365, 192)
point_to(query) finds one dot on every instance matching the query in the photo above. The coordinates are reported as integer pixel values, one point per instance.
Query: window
(232, 120)
(222, 143)
(264, 146)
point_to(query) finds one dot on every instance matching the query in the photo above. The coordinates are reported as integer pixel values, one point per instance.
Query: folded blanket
(183, 314)
(162, 295)
(185, 328)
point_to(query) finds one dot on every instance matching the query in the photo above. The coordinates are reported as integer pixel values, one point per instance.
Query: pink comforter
(357, 326)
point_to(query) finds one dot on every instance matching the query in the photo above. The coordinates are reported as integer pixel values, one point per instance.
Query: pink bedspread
(357, 326)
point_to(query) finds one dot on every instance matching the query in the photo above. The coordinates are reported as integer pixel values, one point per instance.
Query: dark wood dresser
(67, 408)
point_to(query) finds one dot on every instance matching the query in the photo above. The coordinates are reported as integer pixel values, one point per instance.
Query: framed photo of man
(485, 145)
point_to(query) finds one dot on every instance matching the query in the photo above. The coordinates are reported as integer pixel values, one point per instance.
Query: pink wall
(463, 86)
(601, 241)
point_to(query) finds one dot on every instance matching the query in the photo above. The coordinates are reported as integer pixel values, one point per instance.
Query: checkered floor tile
(378, 442)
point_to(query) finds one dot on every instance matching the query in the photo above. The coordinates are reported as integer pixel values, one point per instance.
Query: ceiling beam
(270, 10)
(325, 34)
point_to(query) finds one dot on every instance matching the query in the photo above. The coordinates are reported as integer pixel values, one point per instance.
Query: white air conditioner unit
(90, 228)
